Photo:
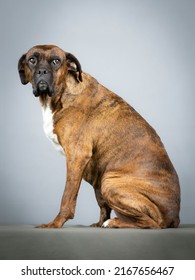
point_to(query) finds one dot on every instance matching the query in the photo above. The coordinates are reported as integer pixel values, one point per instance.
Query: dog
(105, 141)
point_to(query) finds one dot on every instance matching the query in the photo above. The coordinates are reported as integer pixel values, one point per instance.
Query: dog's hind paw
(115, 223)
(106, 223)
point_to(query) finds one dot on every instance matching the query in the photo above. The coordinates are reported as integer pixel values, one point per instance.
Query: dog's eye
(55, 61)
(32, 60)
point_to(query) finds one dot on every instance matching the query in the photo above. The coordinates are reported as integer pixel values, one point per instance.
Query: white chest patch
(48, 128)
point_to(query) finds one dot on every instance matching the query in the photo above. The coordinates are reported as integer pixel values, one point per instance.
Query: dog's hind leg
(132, 207)
(126, 222)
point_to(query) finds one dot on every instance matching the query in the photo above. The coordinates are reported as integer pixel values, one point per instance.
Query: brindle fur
(110, 145)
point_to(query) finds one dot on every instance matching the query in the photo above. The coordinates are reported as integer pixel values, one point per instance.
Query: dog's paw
(112, 223)
(50, 225)
(106, 223)
(96, 225)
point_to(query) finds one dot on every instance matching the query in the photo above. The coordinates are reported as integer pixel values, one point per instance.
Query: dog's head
(46, 68)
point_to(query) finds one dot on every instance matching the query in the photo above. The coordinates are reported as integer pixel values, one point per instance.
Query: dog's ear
(74, 65)
(21, 70)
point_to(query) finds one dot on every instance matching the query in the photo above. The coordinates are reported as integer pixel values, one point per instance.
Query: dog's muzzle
(42, 82)
(42, 88)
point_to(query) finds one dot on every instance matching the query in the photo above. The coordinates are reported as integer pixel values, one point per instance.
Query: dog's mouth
(42, 88)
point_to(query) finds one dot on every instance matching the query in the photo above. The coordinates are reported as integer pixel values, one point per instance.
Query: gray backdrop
(142, 50)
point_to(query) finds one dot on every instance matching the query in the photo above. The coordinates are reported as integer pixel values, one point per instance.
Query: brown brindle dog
(105, 141)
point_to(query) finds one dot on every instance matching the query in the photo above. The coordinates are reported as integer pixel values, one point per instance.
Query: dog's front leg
(105, 210)
(75, 169)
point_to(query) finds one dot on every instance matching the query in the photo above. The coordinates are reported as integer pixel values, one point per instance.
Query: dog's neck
(66, 93)
(53, 102)
(74, 86)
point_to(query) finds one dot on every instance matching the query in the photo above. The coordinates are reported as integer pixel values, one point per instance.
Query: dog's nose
(42, 71)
